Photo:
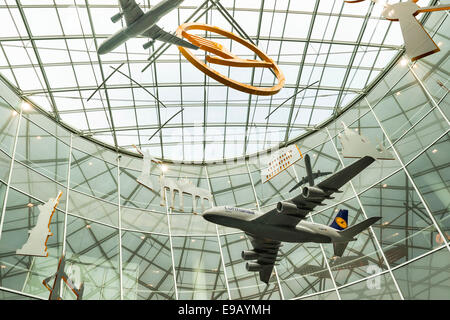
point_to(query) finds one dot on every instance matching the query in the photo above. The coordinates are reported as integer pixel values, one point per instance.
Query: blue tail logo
(341, 220)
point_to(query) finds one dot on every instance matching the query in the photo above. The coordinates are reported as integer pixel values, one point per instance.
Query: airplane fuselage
(145, 22)
(244, 219)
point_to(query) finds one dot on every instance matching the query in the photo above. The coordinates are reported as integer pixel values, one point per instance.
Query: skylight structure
(48, 51)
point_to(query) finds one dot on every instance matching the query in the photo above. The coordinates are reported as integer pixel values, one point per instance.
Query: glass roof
(48, 51)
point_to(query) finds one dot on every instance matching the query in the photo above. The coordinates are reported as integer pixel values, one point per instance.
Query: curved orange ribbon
(226, 58)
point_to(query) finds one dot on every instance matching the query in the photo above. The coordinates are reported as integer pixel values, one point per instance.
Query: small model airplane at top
(140, 23)
(285, 222)
(418, 43)
(309, 175)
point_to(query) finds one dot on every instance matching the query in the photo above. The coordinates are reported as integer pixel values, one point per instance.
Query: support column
(2, 220)
(171, 247)
(218, 239)
(67, 210)
(120, 229)
(366, 217)
(67, 197)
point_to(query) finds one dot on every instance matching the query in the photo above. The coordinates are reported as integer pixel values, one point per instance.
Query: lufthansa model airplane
(286, 222)
(140, 23)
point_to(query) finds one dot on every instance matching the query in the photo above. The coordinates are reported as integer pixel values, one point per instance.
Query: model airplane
(418, 42)
(284, 223)
(140, 23)
(309, 174)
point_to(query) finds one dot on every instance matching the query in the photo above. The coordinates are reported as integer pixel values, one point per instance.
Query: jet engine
(115, 18)
(148, 44)
(249, 255)
(284, 207)
(251, 266)
(313, 193)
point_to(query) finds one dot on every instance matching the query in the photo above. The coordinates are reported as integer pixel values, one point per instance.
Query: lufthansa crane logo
(224, 57)
(341, 222)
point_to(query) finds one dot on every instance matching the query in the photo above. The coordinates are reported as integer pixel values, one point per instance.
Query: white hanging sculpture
(36, 244)
(183, 186)
(145, 177)
(418, 42)
(358, 146)
(280, 161)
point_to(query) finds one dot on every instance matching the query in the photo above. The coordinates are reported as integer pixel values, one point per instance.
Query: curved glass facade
(334, 48)
(124, 245)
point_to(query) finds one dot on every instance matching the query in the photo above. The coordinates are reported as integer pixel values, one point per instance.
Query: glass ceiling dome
(48, 51)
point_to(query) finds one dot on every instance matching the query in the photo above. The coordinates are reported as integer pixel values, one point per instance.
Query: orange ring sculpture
(226, 58)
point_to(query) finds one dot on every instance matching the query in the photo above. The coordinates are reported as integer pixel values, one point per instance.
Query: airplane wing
(337, 180)
(157, 33)
(131, 11)
(305, 204)
(273, 217)
(305, 179)
(267, 250)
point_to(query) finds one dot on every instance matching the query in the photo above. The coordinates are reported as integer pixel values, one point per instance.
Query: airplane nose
(207, 211)
(102, 49)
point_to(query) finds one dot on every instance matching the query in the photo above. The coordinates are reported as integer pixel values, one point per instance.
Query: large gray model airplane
(140, 23)
(285, 223)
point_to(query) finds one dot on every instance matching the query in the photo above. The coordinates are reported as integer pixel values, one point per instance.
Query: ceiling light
(30, 205)
(384, 185)
(164, 168)
(440, 43)
(142, 237)
(398, 93)
(88, 226)
(14, 113)
(434, 150)
(26, 106)
(38, 137)
(403, 62)
(90, 163)
(3, 266)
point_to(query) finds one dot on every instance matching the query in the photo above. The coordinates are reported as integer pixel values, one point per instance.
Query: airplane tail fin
(340, 222)
(351, 232)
